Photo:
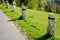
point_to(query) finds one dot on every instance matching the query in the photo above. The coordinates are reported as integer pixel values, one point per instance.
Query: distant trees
(29, 4)
(10, 1)
(41, 4)
(34, 4)
(48, 7)
(57, 9)
(20, 2)
(52, 7)
(38, 5)
(17, 2)
(0, 1)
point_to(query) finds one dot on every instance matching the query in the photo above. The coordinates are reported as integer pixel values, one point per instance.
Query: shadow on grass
(13, 11)
(20, 18)
(44, 37)
(59, 18)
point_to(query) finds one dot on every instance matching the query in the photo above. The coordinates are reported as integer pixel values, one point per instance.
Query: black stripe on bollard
(51, 18)
(13, 4)
(23, 9)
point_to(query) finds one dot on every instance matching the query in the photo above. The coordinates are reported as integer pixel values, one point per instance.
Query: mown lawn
(36, 22)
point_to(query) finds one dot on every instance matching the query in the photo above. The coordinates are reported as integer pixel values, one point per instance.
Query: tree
(53, 8)
(29, 4)
(39, 4)
(48, 7)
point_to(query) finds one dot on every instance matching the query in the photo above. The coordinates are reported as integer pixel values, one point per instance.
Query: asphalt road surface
(8, 30)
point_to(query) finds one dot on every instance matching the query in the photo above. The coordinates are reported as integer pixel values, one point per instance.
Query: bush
(34, 4)
(41, 5)
(48, 7)
(57, 9)
(17, 2)
(53, 8)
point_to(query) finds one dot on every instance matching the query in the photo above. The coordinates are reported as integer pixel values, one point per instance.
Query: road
(8, 30)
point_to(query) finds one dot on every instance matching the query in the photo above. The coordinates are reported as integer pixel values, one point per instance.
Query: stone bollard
(13, 6)
(51, 23)
(3, 3)
(7, 4)
(23, 12)
(0, 1)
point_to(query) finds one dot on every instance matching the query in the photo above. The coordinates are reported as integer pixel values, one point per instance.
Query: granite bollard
(0, 1)
(51, 23)
(3, 3)
(23, 12)
(13, 6)
(7, 4)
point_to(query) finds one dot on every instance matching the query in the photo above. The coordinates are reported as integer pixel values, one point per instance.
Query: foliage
(17, 2)
(33, 3)
(48, 7)
(42, 4)
(57, 9)
(53, 8)
(25, 2)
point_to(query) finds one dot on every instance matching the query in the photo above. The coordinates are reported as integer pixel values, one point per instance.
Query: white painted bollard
(3, 3)
(51, 23)
(7, 4)
(23, 12)
(0, 1)
(13, 6)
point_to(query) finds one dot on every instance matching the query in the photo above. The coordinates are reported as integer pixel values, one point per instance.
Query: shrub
(34, 4)
(57, 9)
(53, 8)
(48, 7)
(41, 4)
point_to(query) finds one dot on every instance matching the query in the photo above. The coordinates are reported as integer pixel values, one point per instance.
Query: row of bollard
(13, 6)
(7, 5)
(13, 9)
(51, 19)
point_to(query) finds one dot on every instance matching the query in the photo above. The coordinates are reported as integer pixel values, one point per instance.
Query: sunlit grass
(36, 22)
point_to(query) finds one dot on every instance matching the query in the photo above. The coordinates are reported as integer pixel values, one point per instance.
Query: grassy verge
(36, 22)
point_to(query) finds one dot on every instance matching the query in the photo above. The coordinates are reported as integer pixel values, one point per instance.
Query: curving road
(8, 30)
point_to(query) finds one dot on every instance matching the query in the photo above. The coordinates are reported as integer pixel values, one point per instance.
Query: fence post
(23, 12)
(7, 4)
(51, 23)
(13, 6)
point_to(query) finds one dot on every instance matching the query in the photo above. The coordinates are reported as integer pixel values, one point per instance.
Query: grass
(36, 22)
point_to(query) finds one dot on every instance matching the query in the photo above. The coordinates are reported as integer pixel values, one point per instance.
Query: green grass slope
(36, 22)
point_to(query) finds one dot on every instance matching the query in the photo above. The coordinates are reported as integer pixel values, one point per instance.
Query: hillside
(36, 22)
